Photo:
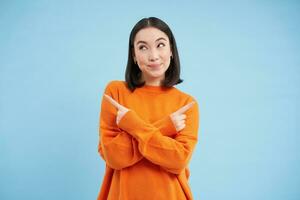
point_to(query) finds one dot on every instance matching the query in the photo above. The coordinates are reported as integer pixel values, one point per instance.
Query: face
(152, 52)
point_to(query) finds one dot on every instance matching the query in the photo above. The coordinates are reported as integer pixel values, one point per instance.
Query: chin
(157, 75)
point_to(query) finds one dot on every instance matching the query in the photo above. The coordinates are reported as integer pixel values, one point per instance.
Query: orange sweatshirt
(146, 158)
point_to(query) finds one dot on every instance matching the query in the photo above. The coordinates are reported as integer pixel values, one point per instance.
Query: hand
(178, 117)
(121, 109)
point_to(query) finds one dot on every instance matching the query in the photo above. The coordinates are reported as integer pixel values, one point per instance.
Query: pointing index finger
(186, 107)
(112, 101)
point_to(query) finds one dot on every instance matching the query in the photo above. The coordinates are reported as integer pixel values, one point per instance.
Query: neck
(153, 81)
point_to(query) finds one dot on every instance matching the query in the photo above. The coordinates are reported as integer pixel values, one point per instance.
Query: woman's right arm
(120, 144)
(116, 147)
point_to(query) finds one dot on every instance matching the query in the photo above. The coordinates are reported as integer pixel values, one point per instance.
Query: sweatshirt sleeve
(172, 154)
(118, 148)
(166, 126)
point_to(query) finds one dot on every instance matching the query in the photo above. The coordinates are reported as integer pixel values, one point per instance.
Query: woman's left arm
(173, 154)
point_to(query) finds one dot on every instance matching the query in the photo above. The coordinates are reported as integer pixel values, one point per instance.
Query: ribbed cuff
(167, 127)
(135, 126)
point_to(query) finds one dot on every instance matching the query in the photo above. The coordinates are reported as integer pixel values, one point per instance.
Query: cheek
(166, 57)
(166, 54)
(141, 58)
(138, 56)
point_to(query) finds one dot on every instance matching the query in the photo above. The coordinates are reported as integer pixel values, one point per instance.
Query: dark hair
(133, 73)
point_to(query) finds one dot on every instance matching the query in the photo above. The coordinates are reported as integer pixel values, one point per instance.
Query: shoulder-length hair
(133, 74)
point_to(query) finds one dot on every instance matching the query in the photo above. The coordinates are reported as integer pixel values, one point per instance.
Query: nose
(153, 55)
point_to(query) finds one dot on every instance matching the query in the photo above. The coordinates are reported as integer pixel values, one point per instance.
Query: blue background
(240, 60)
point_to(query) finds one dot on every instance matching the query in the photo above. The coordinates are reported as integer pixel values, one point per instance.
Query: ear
(133, 56)
(171, 52)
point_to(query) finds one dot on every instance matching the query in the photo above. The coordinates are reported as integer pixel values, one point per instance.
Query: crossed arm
(124, 145)
(119, 149)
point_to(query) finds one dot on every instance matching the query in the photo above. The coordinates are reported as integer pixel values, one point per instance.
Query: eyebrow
(161, 38)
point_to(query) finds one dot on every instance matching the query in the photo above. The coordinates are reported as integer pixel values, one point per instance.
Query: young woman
(148, 128)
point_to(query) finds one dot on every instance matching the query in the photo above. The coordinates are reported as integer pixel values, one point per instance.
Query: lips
(154, 65)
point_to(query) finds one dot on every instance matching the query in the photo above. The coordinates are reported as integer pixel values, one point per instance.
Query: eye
(159, 45)
(142, 47)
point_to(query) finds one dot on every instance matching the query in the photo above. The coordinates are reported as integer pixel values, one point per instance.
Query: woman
(148, 128)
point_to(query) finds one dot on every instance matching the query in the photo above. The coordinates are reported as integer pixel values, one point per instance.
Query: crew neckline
(152, 88)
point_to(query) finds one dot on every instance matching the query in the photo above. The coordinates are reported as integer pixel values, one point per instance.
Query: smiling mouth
(154, 65)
